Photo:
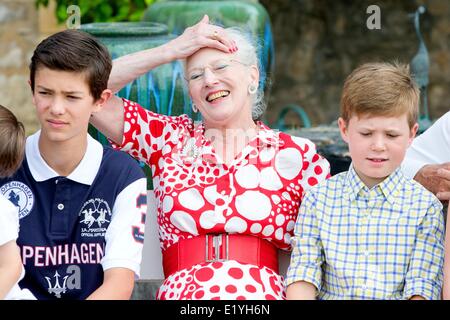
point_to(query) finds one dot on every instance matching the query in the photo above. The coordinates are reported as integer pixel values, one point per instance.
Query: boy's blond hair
(380, 89)
(12, 143)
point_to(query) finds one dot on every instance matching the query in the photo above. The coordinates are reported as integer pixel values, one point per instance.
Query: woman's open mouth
(217, 95)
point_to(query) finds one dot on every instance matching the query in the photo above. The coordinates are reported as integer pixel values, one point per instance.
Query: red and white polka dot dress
(258, 194)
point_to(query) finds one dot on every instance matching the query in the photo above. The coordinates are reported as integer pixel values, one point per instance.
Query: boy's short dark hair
(380, 89)
(12, 143)
(74, 51)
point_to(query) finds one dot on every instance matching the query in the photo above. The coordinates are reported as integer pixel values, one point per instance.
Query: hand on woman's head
(202, 35)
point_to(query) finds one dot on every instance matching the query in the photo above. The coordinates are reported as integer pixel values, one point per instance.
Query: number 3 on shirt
(141, 203)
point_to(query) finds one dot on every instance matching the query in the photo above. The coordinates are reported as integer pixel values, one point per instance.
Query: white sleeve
(9, 229)
(125, 235)
(431, 147)
(9, 221)
(20, 294)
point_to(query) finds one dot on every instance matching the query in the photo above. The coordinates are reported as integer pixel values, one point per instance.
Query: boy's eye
(43, 92)
(73, 97)
(392, 135)
(366, 134)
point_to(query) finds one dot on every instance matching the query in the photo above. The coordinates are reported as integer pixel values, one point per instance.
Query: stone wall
(18, 36)
(319, 42)
(22, 27)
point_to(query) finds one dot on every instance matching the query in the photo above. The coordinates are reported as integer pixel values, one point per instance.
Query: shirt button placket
(59, 220)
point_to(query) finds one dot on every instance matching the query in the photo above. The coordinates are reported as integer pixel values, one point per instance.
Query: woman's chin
(218, 118)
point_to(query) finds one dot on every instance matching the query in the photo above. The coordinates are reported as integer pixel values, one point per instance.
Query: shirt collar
(390, 186)
(354, 186)
(84, 173)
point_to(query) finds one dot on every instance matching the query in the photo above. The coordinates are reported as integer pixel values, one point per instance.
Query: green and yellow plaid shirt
(382, 243)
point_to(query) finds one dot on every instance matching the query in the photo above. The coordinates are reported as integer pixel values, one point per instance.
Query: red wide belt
(221, 247)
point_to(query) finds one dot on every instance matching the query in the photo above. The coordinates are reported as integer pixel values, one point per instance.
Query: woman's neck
(229, 141)
(231, 129)
(63, 157)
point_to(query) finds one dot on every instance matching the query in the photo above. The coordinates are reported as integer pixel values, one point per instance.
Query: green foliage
(101, 10)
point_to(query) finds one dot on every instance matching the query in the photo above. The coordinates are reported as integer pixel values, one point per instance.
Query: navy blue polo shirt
(73, 228)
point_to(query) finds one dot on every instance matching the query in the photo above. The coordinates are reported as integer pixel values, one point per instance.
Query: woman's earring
(194, 108)
(252, 88)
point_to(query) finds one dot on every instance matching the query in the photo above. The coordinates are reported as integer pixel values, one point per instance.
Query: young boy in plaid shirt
(371, 233)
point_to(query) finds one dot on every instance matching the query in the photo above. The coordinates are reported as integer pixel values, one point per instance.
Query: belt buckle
(217, 243)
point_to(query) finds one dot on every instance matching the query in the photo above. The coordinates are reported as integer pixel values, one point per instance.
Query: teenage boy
(371, 233)
(81, 205)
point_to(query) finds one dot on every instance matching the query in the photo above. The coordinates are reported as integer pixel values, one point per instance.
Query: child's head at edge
(12, 143)
(379, 110)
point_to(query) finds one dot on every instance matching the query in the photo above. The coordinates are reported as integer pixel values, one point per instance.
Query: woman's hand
(201, 35)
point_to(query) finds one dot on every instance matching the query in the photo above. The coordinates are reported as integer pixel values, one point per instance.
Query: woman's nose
(209, 77)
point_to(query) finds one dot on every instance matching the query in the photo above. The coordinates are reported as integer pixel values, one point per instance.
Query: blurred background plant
(100, 10)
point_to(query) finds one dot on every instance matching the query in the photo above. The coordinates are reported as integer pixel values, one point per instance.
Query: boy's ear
(104, 97)
(343, 129)
(412, 133)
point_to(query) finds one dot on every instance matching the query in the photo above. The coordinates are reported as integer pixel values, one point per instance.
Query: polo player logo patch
(95, 215)
(20, 195)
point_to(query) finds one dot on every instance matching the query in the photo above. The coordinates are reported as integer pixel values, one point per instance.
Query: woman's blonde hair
(12, 142)
(380, 89)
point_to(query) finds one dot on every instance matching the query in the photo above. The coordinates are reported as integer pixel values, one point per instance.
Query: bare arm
(301, 290)
(118, 284)
(436, 178)
(109, 120)
(10, 267)
(131, 66)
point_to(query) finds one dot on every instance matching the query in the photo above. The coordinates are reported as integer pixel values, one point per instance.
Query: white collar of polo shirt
(84, 173)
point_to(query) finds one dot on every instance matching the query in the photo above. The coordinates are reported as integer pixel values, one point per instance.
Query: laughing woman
(228, 189)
